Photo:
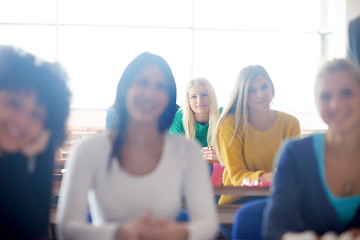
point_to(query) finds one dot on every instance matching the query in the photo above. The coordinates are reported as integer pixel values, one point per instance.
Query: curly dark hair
(24, 73)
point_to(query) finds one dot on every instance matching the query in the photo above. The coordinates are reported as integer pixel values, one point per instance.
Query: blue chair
(183, 216)
(248, 220)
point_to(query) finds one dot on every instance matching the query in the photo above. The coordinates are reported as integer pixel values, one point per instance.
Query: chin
(10, 149)
(343, 129)
(146, 120)
(202, 111)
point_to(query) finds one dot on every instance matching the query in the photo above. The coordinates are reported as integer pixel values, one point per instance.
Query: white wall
(87, 118)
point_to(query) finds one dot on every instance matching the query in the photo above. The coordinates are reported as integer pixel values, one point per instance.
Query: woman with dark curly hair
(34, 105)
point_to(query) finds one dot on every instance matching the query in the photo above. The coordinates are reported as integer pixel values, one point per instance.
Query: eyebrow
(199, 93)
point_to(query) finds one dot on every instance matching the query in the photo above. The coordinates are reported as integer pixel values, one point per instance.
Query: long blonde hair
(237, 104)
(188, 114)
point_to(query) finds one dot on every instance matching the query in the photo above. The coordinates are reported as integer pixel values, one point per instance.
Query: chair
(216, 176)
(183, 216)
(248, 220)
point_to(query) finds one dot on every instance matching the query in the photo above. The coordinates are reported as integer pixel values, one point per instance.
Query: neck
(261, 119)
(344, 143)
(142, 134)
(201, 117)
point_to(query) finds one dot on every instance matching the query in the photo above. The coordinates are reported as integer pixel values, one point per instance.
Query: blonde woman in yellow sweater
(249, 133)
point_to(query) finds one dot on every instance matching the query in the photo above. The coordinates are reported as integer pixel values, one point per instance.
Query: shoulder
(179, 113)
(94, 143)
(229, 120)
(287, 119)
(227, 125)
(299, 148)
(296, 157)
(90, 151)
(305, 142)
(177, 124)
(286, 116)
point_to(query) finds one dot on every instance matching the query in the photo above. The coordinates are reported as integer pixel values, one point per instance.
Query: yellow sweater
(252, 154)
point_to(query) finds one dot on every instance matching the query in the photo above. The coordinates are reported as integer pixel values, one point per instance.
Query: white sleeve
(73, 201)
(199, 196)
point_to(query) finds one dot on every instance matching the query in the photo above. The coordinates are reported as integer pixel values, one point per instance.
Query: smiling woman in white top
(135, 176)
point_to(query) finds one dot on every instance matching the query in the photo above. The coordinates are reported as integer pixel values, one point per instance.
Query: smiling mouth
(14, 132)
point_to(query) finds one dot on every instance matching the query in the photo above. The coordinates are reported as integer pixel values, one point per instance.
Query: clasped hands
(263, 180)
(209, 153)
(352, 234)
(149, 228)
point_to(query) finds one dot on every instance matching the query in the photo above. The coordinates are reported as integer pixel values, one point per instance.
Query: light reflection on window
(95, 40)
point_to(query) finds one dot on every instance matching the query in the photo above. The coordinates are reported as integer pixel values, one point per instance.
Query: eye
(193, 97)
(38, 115)
(346, 92)
(325, 96)
(14, 103)
(161, 86)
(265, 86)
(142, 82)
(251, 91)
(204, 95)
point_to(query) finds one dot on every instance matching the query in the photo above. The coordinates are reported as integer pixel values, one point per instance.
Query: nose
(259, 94)
(149, 92)
(21, 118)
(335, 103)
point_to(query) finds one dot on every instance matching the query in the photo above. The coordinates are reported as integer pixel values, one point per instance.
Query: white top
(115, 196)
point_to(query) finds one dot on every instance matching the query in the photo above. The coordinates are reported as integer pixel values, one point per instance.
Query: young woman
(249, 132)
(317, 181)
(136, 176)
(198, 118)
(34, 105)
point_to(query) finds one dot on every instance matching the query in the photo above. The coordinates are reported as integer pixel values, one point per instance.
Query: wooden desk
(213, 161)
(242, 191)
(226, 212)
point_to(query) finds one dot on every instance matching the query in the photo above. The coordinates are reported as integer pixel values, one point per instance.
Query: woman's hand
(37, 145)
(163, 230)
(209, 153)
(352, 234)
(148, 228)
(267, 177)
(132, 230)
(264, 180)
(307, 235)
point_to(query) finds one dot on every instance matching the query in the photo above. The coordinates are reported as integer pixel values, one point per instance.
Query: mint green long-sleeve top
(177, 127)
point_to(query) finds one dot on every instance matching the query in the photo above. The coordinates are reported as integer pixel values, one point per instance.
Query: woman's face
(338, 100)
(199, 99)
(21, 120)
(260, 94)
(148, 96)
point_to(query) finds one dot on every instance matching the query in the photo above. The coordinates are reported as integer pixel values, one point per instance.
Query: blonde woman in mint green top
(198, 117)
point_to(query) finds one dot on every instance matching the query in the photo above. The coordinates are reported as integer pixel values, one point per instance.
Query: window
(95, 40)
